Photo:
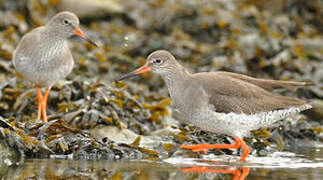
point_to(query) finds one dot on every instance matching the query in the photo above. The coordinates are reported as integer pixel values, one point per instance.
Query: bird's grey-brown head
(160, 62)
(66, 24)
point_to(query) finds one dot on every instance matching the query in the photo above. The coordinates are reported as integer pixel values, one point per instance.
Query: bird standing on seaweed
(43, 56)
(223, 102)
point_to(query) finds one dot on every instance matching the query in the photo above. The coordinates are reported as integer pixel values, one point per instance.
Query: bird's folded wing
(267, 84)
(229, 94)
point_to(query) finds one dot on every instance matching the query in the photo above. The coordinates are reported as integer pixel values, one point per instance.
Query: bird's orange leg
(44, 105)
(204, 147)
(40, 101)
(245, 149)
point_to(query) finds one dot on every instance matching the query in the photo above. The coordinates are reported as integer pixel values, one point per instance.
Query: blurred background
(93, 116)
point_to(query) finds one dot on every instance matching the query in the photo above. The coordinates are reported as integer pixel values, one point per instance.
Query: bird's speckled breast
(46, 63)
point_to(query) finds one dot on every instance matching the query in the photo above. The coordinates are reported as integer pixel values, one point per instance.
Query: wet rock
(316, 113)
(123, 136)
(90, 8)
(8, 155)
(113, 133)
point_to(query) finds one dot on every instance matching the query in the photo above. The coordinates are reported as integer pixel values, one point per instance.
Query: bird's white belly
(238, 125)
(231, 124)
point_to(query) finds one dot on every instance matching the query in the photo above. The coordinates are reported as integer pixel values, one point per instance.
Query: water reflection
(300, 165)
(238, 173)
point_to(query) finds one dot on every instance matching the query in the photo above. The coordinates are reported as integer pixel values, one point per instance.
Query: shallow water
(301, 163)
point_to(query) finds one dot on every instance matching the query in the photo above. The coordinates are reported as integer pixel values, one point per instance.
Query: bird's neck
(52, 43)
(176, 82)
(51, 34)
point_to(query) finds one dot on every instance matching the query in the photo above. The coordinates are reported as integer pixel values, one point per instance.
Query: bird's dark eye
(66, 22)
(158, 61)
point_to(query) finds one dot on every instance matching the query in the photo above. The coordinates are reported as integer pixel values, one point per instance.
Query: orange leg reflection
(237, 174)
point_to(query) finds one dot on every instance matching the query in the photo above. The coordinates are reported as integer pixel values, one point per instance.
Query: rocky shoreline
(93, 116)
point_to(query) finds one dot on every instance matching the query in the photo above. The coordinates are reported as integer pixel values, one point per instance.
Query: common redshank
(223, 102)
(43, 56)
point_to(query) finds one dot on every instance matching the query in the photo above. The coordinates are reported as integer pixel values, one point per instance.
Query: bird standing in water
(222, 102)
(43, 56)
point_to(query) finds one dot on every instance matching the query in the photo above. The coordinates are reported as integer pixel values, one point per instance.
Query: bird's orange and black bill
(140, 70)
(81, 34)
